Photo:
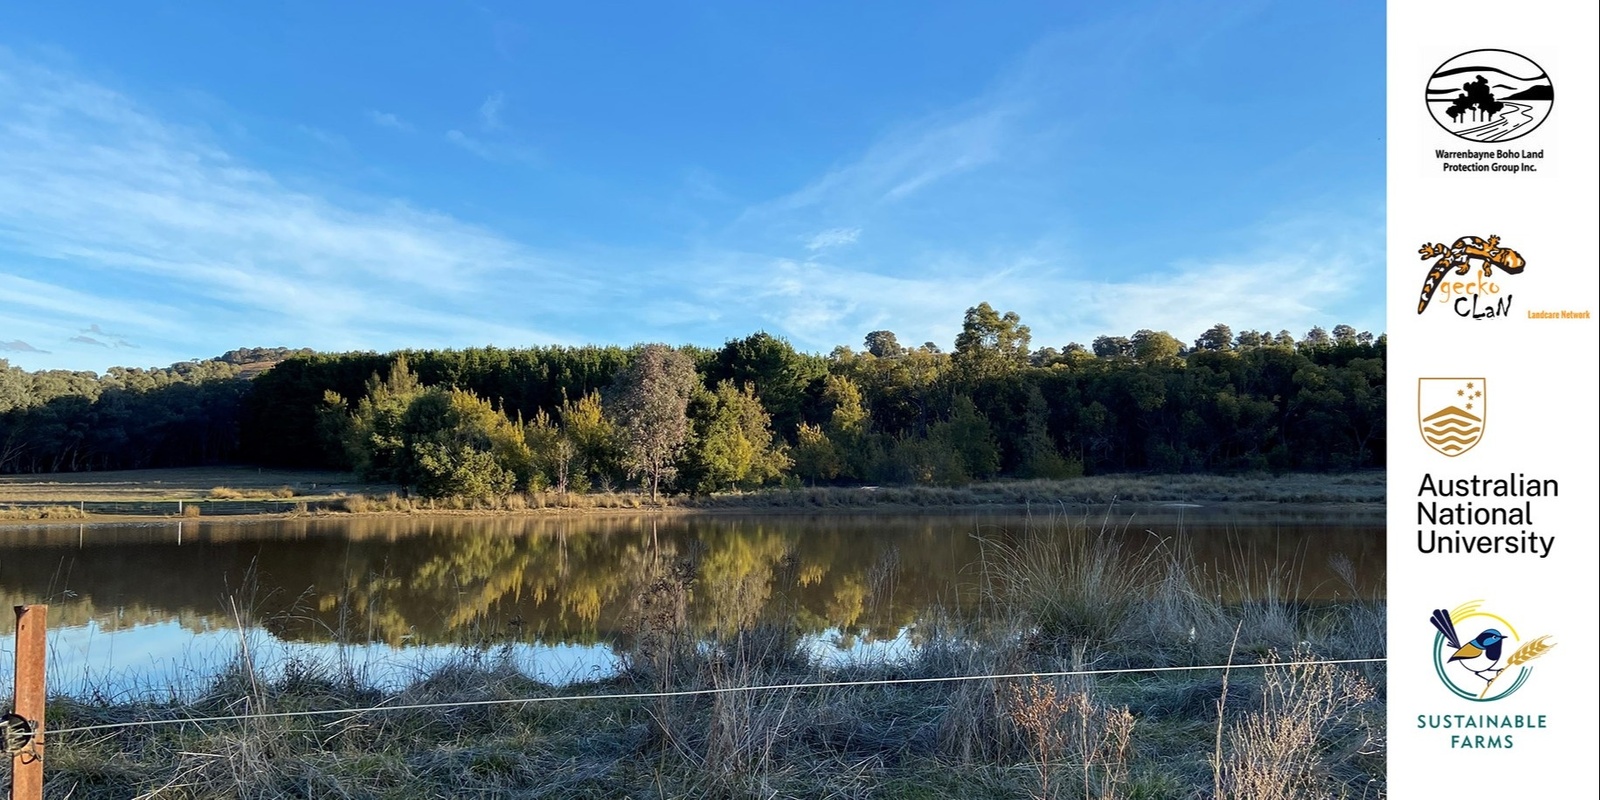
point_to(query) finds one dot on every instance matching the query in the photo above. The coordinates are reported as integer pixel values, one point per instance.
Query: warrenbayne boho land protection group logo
(1452, 413)
(1490, 666)
(1489, 95)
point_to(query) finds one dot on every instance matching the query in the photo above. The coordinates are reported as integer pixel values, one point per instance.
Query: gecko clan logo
(1451, 412)
(1477, 296)
(1489, 95)
(1493, 664)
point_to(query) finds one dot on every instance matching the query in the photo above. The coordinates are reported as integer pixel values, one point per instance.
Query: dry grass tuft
(1278, 751)
(1070, 730)
(40, 512)
(229, 493)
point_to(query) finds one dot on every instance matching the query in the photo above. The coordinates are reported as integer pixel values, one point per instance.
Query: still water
(157, 608)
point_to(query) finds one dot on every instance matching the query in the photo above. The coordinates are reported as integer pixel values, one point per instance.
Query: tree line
(487, 421)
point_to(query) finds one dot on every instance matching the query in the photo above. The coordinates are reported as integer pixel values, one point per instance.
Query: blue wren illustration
(1480, 656)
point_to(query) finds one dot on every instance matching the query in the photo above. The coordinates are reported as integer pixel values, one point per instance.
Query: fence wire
(350, 712)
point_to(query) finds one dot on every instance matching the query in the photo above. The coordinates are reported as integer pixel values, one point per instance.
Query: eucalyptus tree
(991, 343)
(652, 412)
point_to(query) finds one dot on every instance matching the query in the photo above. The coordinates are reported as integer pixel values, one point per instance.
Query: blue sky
(177, 179)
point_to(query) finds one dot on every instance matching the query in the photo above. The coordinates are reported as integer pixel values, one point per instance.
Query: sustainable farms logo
(1462, 277)
(1451, 413)
(1493, 664)
(1489, 95)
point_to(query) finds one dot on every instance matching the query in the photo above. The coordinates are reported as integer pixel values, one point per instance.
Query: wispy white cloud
(161, 232)
(911, 159)
(492, 151)
(489, 112)
(468, 144)
(47, 301)
(384, 119)
(508, 35)
(919, 273)
(1290, 280)
(321, 136)
(700, 184)
(833, 237)
(495, 146)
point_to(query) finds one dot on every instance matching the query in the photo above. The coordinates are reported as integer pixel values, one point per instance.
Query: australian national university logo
(1452, 412)
(1483, 657)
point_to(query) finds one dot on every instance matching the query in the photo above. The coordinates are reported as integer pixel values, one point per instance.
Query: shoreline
(1257, 511)
(1160, 496)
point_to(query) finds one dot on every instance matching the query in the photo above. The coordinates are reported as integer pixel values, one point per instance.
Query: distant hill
(253, 361)
(1541, 92)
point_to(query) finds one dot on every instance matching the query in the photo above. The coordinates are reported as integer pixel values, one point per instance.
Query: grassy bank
(190, 483)
(1060, 599)
(247, 491)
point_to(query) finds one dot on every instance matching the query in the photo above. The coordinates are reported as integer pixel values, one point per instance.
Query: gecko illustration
(1459, 256)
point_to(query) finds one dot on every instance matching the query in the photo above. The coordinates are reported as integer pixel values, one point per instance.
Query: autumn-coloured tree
(652, 412)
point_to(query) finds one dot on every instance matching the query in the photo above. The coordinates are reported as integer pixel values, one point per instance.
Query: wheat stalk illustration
(1524, 654)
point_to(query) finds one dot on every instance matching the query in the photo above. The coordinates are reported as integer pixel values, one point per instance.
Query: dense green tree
(1316, 337)
(845, 428)
(14, 387)
(447, 470)
(780, 374)
(816, 457)
(1038, 456)
(551, 451)
(1266, 401)
(841, 399)
(458, 445)
(597, 443)
(1113, 347)
(883, 344)
(375, 438)
(1044, 357)
(1218, 337)
(990, 343)
(968, 436)
(733, 446)
(1152, 347)
(474, 450)
(182, 415)
(443, 442)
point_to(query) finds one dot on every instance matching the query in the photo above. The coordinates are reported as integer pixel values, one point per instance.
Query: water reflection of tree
(399, 580)
(569, 580)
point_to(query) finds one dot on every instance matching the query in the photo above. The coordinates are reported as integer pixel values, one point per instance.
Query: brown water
(126, 599)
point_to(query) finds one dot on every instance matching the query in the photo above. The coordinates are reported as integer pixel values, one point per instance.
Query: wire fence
(350, 712)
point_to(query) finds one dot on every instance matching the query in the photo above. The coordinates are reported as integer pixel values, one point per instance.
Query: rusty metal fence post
(24, 726)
